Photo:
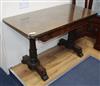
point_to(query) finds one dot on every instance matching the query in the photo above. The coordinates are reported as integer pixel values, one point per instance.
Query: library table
(45, 24)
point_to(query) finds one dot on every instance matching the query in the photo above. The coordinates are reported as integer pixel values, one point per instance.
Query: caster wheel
(78, 50)
(45, 77)
(80, 54)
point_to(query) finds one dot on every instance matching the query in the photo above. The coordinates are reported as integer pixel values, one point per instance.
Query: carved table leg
(32, 61)
(70, 43)
(97, 44)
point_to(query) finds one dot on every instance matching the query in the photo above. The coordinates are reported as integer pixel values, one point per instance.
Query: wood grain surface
(57, 61)
(44, 20)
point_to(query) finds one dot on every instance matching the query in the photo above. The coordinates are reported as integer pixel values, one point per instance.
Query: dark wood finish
(74, 2)
(46, 24)
(32, 60)
(97, 44)
(50, 19)
(75, 34)
(96, 24)
(88, 3)
(64, 29)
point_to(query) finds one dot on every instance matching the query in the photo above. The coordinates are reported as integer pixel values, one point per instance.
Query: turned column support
(32, 60)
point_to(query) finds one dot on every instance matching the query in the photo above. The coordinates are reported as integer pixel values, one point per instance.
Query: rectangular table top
(44, 20)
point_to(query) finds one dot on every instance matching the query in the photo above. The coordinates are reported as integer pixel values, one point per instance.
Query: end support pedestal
(32, 65)
(70, 43)
(33, 62)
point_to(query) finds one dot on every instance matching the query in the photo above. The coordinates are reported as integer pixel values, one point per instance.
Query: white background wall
(14, 45)
(0, 34)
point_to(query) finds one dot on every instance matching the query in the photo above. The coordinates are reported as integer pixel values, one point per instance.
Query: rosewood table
(46, 24)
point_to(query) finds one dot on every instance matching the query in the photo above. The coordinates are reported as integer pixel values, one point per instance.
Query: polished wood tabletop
(44, 20)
